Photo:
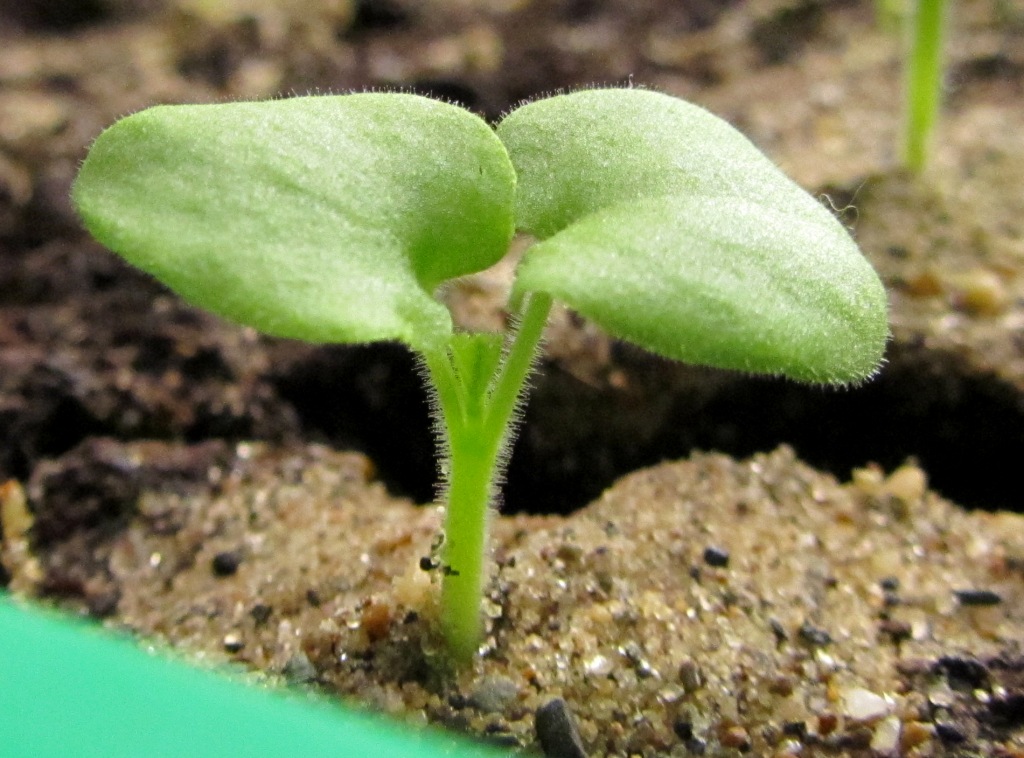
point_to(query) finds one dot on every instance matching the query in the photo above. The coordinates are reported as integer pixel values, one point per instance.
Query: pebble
(226, 563)
(690, 675)
(261, 613)
(889, 583)
(735, 737)
(982, 293)
(860, 704)
(812, 635)
(915, 734)
(233, 642)
(962, 673)
(493, 694)
(950, 733)
(299, 669)
(978, 597)
(908, 483)
(886, 740)
(714, 556)
(557, 732)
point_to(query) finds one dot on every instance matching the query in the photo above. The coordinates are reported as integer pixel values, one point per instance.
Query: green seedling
(923, 79)
(339, 219)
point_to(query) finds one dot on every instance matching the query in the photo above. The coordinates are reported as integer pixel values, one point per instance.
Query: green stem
(479, 427)
(923, 80)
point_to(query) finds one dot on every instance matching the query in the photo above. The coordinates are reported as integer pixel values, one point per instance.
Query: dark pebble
(890, 584)
(261, 613)
(714, 556)
(962, 673)
(950, 733)
(226, 563)
(977, 597)
(299, 669)
(557, 732)
(502, 740)
(796, 729)
(778, 630)
(1008, 709)
(683, 729)
(697, 746)
(812, 635)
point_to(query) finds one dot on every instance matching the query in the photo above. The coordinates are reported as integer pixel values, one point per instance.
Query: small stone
(914, 735)
(735, 737)
(950, 733)
(598, 665)
(860, 704)
(889, 583)
(962, 673)
(557, 732)
(376, 620)
(923, 284)
(778, 631)
(690, 676)
(982, 293)
(886, 739)
(812, 635)
(978, 597)
(857, 738)
(908, 483)
(796, 729)
(827, 723)
(696, 746)
(1008, 709)
(233, 642)
(226, 563)
(714, 556)
(493, 694)
(299, 669)
(261, 613)
(683, 729)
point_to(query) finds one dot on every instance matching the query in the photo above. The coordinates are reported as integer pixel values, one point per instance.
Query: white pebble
(886, 739)
(860, 704)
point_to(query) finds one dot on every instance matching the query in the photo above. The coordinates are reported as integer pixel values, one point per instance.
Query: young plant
(923, 79)
(337, 219)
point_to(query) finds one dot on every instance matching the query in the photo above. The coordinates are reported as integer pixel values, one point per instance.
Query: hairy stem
(478, 420)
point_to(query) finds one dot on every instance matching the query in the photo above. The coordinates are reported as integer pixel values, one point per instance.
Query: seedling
(338, 219)
(923, 79)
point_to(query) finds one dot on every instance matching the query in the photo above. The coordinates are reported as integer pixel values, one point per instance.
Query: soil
(841, 578)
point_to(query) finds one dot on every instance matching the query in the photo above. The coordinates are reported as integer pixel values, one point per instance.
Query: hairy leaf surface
(328, 219)
(667, 227)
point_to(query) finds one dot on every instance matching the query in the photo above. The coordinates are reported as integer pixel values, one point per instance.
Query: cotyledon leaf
(667, 227)
(322, 218)
(752, 294)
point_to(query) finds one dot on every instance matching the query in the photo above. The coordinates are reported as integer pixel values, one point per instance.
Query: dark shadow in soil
(577, 438)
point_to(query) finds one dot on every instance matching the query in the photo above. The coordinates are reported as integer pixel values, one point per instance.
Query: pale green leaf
(754, 294)
(667, 227)
(328, 219)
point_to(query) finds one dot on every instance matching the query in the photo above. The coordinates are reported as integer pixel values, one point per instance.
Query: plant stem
(923, 80)
(479, 426)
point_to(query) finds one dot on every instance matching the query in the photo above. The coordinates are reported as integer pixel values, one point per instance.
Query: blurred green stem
(923, 80)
